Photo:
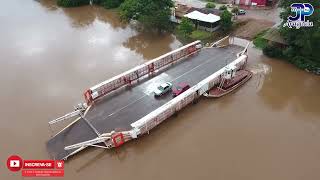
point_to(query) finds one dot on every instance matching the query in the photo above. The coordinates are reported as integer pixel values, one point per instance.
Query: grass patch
(201, 35)
(204, 36)
(259, 42)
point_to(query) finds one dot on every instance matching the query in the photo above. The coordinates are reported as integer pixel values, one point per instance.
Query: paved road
(128, 105)
(272, 15)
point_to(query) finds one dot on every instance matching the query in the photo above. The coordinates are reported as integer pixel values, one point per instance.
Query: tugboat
(231, 80)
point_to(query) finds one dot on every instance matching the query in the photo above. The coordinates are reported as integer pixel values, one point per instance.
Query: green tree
(109, 4)
(210, 5)
(235, 10)
(185, 27)
(150, 13)
(223, 7)
(72, 3)
(226, 22)
(306, 40)
(105, 3)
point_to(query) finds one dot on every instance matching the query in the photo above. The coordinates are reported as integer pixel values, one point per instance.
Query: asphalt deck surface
(127, 105)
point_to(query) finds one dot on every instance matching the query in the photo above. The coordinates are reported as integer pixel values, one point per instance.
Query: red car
(180, 88)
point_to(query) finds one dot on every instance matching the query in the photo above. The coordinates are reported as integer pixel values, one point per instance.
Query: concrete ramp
(77, 132)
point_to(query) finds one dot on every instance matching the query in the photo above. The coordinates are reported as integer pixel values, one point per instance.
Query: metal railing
(135, 73)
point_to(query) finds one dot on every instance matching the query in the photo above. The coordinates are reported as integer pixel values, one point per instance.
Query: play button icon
(14, 163)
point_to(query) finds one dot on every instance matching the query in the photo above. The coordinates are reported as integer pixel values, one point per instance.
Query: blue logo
(302, 10)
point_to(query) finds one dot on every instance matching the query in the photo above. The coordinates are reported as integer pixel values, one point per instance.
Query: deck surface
(119, 110)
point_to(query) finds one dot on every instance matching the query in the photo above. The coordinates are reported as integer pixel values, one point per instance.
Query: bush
(226, 22)
(301, 62)
(259, 41)
(210, 5)
(185, 27)
(153, 15)
(272, 51)
(72, 3)
(222, 8)
(109, 4)
(98, 2)
(305, 63)
(235, 10)
(211, 0)
(289, 52)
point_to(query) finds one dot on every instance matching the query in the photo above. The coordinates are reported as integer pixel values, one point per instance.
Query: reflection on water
(50, 5)
(86, 15)
(111, 16)
(81, 16)
(144, 43)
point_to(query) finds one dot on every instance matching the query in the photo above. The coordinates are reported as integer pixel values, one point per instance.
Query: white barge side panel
(157, 116)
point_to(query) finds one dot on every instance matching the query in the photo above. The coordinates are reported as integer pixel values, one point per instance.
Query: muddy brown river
(267, 130)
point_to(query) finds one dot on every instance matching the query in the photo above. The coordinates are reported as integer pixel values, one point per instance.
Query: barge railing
(150, 67)
(151, 120)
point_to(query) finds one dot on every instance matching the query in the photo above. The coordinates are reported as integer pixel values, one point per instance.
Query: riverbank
(248, 28)
(274, 51)
(107, 4)
(204, 36)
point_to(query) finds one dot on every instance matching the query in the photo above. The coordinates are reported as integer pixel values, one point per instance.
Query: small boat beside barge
(231, 80)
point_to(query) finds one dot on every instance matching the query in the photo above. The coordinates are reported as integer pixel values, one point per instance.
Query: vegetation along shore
(300, 47)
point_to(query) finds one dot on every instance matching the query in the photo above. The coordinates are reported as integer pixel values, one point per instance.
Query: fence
(135, 73)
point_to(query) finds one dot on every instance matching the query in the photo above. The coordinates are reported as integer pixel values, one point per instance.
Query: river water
(268, 129)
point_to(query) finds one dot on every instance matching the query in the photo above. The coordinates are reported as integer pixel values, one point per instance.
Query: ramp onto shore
(119, 109)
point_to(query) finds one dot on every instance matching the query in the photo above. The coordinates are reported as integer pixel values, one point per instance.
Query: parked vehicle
(242, 12)
(163, 89)
(180, 88)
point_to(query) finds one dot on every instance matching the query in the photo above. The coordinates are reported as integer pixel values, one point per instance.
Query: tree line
(303, 44)
(152, 14)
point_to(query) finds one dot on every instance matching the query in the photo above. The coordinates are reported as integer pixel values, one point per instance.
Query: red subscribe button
(38, 164)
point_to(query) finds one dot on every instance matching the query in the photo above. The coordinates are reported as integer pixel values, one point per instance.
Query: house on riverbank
(208, 22)
(204, 18)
